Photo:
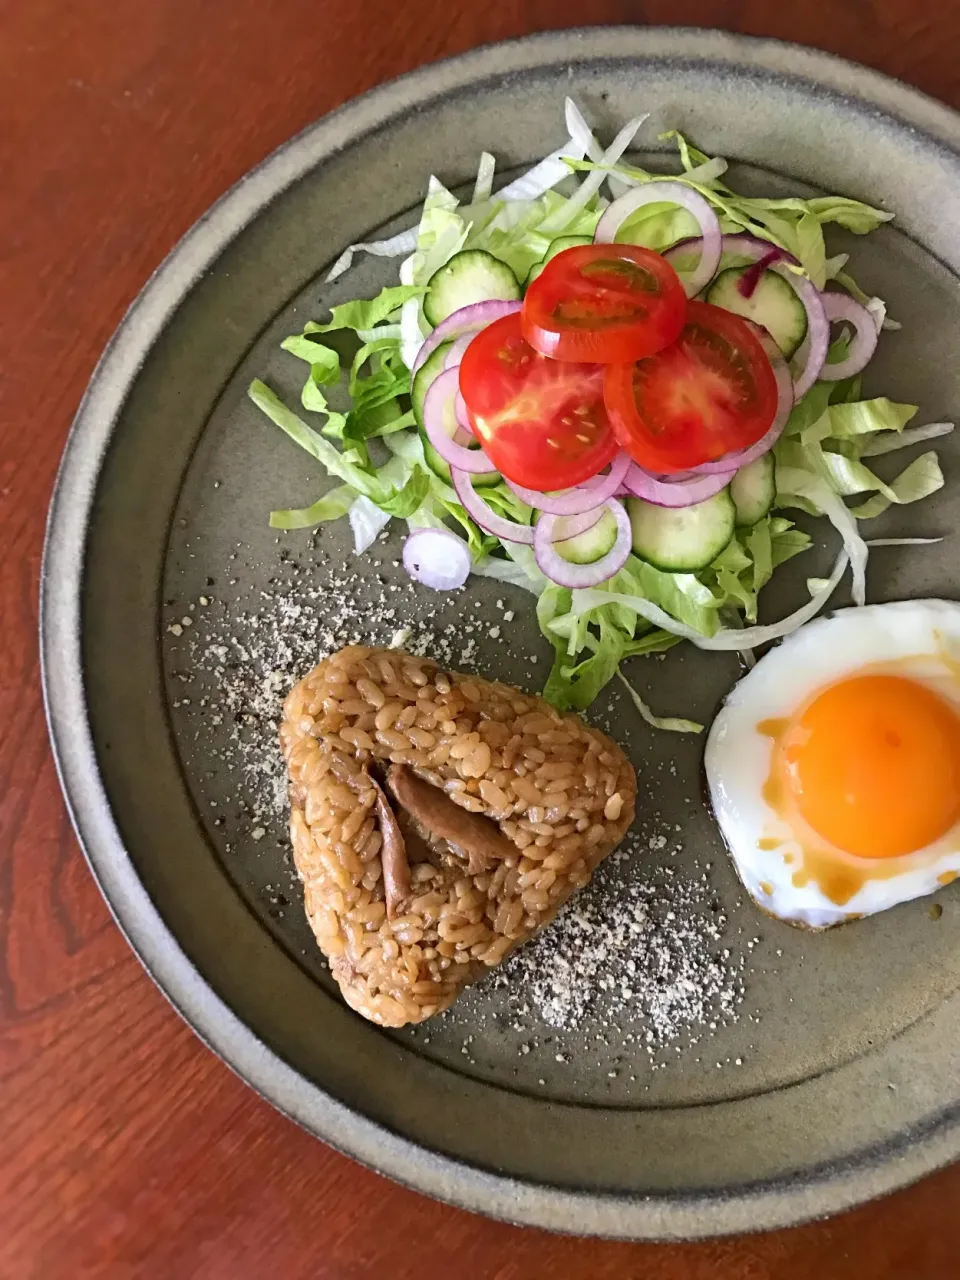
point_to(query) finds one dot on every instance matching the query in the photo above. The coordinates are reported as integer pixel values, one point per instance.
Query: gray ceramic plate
(848, 1082)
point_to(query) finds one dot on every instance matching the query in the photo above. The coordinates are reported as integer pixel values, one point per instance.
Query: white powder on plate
(640, 954)
(644, 939)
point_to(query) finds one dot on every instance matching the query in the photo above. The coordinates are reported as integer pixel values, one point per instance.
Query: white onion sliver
(570, 502)
(562, 217)
(840, 306)
(469, 319)
(785, 399)
(670, 193)
(366, 520)
(437, 558)
(902, 542)
(576, 576)
(438, 407)
(674, 493)
(478, 510)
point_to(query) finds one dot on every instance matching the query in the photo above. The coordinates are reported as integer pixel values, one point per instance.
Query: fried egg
(834, 765)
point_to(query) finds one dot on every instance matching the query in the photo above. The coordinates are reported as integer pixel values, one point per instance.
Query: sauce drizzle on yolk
(871, 766)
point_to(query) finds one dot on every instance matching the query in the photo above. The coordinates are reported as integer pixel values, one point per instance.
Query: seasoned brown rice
(560, 792)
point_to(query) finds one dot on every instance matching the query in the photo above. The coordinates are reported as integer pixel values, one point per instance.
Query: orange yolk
(873, 765)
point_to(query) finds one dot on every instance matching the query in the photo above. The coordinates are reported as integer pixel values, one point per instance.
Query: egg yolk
(873, 765)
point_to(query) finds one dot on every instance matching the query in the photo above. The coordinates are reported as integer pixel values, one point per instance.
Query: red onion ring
(462, 413)
(731, 462)
(466, 320)
(674, 493)
(573, 526)
(817, 340)
(477, 509)
(747, 284)
(586, 496)
(818, 330)
(565, 574)
(738, 243)
(840, 306)
(669, 193)
(437, 558)
(455, 354)
(437, 404)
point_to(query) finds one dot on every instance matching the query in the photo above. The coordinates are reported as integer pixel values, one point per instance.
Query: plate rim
(777, 1203)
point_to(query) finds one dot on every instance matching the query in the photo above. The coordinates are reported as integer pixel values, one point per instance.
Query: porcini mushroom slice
(393, 850)
(478, 837)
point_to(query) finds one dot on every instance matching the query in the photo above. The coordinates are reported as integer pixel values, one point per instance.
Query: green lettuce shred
(334, 504)
(674, 724)
(793, 224)
(361, 429)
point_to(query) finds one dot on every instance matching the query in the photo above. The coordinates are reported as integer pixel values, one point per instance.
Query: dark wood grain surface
(126, 1148)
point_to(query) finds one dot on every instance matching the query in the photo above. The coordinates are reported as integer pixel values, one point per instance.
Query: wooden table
(126, 1148)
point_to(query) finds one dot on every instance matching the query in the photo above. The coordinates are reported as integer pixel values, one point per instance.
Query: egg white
(920, 639)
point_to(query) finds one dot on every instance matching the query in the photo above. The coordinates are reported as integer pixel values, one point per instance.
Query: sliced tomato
(608, 303)
(711, 392)
(541, 422)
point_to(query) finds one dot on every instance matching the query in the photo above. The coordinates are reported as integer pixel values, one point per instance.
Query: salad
(606, 386)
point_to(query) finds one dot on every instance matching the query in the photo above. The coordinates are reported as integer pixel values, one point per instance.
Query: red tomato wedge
(608, 303)
(541, 422)
(711, 392)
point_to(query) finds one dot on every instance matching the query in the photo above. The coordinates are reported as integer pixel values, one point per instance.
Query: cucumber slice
(441, 469)
(472, 275)
(533, 273)
(773, 304)
(753, 490)
(587, 547)
(430, 369)
(564, 242)
(682, 539)
(433, 460)
(557, 246)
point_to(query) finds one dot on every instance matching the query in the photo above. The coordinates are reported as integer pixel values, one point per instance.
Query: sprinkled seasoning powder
(644, 959)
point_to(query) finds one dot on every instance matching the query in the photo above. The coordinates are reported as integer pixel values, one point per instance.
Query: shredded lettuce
(793, 224)
(324, 362)
(357, 386)
(331, 506)
(673, 723)
(398, 499)
(644, 609)
(888, 442)
(518, 569)
(365, 313)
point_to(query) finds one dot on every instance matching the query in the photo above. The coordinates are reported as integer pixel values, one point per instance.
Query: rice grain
(494, 751)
